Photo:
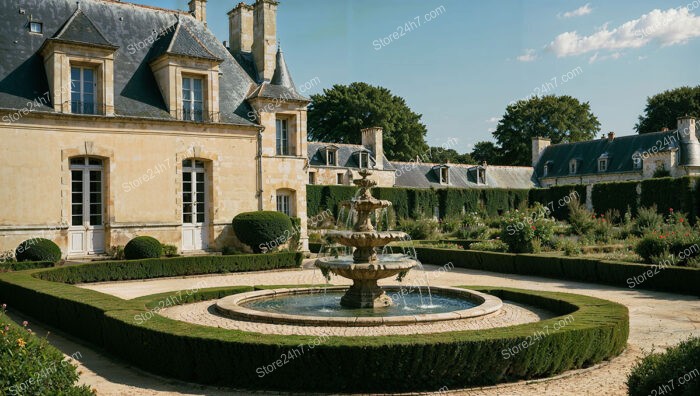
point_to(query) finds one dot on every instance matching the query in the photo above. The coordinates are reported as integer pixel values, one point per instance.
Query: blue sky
(464, 66)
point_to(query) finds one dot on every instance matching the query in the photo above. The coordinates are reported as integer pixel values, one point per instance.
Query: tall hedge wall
(421, 202)
(668, 193)
(616, 196)
(553, 197)
(320, 198)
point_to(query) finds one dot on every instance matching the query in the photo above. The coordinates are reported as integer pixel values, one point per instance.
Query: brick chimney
(611, 136)
(265, 37)
(198, 8)
(373, 139)
(539, 144)
(240, 28)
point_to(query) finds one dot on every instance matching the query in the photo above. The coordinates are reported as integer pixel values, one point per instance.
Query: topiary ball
(38, 249)
(263, 231)
(143, 247)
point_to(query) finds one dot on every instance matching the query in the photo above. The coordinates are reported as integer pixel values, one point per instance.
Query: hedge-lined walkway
(656, 320)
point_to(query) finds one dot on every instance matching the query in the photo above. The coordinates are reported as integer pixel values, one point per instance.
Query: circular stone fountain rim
(231, 306)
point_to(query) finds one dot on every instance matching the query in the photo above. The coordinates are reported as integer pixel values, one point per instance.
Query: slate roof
(136, 93)
(620, 152)
(80, 29)
(345, 157)
(425, 175)
(179, 41)
(281, 86)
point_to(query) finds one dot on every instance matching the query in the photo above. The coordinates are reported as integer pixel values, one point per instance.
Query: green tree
(486, 151)
(663, 109)
(563, 119)
(341, 112)
(440, 155)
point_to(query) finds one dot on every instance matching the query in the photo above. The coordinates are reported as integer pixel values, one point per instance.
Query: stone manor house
(120, 120)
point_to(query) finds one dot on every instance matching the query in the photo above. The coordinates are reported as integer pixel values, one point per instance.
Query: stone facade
(136, 164)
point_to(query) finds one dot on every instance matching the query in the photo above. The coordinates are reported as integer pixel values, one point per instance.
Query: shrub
(603, 230)
(264, 230)
(31, 366)
(38, 249)
(419, 229)
(648, 219)
(169, 250)
(473, 227)
(24, 265)
(489, 246)
(569, 246)
(662, 373)
(581, 220)
(651, 246)
(519, 230)
(143, 247)
(676, 246)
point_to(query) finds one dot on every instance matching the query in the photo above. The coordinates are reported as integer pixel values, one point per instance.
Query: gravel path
(657, 320)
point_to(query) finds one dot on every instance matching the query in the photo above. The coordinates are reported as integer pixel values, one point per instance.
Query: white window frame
(573, 167)
(282, 136)
(80, 108)
(34, 25)
(284, 203)
(637, 162)
(445, 175)
(364, 160)
(332, 157)
(190, 101)
(602, 165)
(87, 205)
(545, 171)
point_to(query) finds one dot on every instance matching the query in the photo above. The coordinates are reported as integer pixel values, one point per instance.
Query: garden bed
(596, 330)
(627, 275)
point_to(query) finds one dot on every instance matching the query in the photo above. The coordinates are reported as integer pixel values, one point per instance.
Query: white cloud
(581, 11)
(596, 58)
(493, 119)
(642, 57)
(528, 56)
(671, 27)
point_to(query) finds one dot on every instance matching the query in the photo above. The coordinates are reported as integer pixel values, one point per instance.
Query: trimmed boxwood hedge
(25, 265)
(143, 247)
(627, 275)
(210, 355)
(38, 249)
(667, 192)
(552, 197)
(105, 271)
(616, 196)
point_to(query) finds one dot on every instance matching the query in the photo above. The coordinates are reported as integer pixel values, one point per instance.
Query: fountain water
(366, 267)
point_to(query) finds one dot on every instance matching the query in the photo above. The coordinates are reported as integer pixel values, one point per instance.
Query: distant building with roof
(673, 153)
(332, 163)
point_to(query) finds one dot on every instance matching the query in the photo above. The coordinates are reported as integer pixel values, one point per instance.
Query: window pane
(88, 75)
(187, 218)
(77, 161)
(199, 164)
(200, 177)
(200, 217)
(95, 161)
(96, 220)
(75, 74)
(187, 176)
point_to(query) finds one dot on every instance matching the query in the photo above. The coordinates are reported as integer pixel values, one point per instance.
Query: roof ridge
(154, 8)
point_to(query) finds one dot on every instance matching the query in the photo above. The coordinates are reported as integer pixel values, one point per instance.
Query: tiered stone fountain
(366, 267)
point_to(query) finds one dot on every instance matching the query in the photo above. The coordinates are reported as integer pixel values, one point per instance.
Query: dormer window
(363, 159)
(331, 157)
(602, 165)
(545, 171)
(192, 99)
(637, 161)
(444, 172)
(82, 90)
(36, 27)
(573, 167)
(481, 176)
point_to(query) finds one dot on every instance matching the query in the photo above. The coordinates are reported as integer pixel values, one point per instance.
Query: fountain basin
(366, 238)
(238, 306)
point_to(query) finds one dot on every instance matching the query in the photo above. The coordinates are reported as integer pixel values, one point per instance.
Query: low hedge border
(108, 271)
(214, 356)
(627, 275)
(25, 265)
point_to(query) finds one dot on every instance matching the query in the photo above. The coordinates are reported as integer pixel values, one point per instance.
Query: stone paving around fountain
(657, 320)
